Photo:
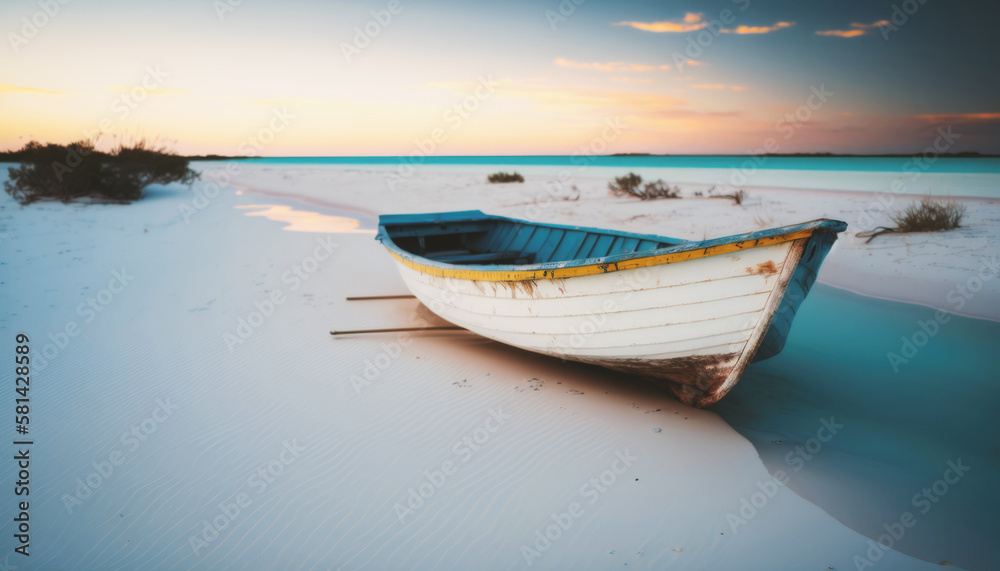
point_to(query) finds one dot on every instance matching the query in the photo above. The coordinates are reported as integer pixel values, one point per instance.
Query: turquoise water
(899, 429)
(866, 164)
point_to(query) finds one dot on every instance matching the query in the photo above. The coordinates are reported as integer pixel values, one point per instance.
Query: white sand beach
(191, 411)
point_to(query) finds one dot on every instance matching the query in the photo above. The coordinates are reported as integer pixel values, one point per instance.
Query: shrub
(929, 216)
(75, 171)
(659, 189)
(501, 176)
(627, 185)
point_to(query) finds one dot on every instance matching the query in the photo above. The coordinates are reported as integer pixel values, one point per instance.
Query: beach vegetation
(737, 197)
(631, 185)
(502, 177)
(77, 172)
(929, 216)
(627, 185)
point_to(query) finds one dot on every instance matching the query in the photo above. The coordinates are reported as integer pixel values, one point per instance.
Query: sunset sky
(298, 78)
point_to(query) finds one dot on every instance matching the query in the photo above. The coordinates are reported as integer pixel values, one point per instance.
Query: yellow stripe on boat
(597, 268)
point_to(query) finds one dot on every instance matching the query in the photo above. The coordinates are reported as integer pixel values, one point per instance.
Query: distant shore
(15, 156)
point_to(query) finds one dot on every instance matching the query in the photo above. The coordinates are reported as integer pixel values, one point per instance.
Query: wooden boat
(689, 315)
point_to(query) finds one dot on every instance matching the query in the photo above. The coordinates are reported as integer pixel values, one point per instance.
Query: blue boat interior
(486, 240)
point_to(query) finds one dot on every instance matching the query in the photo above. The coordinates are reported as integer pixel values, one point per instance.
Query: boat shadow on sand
(868, 430)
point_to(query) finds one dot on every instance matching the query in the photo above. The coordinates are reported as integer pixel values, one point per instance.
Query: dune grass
(737, 197)
(929, 216)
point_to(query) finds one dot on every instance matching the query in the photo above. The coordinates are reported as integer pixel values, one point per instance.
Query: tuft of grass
(501, 177)
(929, 216)
(629, 185)
(737, 197)
(659, 189)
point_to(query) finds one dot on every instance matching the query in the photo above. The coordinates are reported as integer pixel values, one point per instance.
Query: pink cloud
(691, 22)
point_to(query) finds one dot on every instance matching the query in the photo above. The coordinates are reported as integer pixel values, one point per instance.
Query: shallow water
(893, 431)
(301, 220)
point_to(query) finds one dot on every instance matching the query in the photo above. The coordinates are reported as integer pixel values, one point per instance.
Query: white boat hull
(692, 326)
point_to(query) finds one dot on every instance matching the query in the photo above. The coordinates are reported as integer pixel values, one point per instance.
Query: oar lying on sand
(395, 329)
(391, 329)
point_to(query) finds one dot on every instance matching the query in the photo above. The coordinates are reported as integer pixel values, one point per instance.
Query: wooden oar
(396, 329)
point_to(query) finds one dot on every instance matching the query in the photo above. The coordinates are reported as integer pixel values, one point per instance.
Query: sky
(519, 77)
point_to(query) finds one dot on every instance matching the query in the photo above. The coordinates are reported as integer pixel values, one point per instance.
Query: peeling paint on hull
(695, 380)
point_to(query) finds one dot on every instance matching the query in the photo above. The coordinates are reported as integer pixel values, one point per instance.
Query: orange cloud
(718, 86)
(615, 66)
(4, 88)
(842, 33)
(857, 30)
(691, 22)
(958, 117)
(759, 29)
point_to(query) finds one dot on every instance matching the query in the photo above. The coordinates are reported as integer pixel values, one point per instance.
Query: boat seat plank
(437, 230)
(447, 253)
(484, 258)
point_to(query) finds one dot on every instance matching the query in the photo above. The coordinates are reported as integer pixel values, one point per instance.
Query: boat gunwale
(683, 251)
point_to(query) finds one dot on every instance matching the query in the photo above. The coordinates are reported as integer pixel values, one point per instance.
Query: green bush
(929, 216)
(505, 177)
(629, 185)
(71, 172)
